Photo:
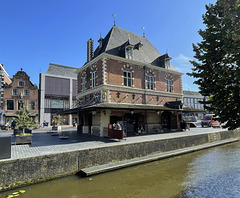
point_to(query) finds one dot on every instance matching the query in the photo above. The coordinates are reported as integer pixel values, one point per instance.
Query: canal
(209, 173)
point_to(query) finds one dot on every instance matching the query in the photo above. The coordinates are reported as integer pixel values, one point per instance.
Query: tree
(23, 119)
(58, 120)
(217, 64)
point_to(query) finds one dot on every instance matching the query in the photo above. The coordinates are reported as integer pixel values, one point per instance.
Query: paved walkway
(44, 142)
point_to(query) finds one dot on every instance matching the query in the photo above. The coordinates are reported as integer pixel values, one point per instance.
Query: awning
(119, 106)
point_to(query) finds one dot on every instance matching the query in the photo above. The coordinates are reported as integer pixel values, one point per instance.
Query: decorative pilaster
(104, 68)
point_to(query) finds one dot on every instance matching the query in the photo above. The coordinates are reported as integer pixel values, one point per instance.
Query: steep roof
(62, 70)
(117, 39)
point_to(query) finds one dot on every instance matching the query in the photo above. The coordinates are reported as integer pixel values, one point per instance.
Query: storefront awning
(119, 106)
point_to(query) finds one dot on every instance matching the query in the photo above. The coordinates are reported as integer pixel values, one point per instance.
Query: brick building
(126, 79)
(21, 92)
(4, 80)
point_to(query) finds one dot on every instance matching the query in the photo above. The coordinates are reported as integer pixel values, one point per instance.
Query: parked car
(193, 121)
(209, 121)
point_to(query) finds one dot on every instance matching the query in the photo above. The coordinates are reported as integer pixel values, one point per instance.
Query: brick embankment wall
(19, 172)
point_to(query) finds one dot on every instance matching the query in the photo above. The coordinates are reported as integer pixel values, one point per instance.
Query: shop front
(144, 119)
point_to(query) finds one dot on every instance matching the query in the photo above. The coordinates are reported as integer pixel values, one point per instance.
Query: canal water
(213, 173)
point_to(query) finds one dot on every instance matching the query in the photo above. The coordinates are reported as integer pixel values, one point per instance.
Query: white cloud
(182, 64)
(183, 60)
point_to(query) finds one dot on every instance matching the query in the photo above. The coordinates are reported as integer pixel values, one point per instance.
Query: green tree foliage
(23, 120)
(217, 61)
(58, 120)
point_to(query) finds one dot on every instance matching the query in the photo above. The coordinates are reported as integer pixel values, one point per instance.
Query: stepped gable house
(21, 92)
(127, 79)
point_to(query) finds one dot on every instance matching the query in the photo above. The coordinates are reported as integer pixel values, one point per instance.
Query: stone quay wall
(25, 171)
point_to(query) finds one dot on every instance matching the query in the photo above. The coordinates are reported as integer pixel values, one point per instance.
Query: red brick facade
(96, 67)
(20, 92)
(128, 81)
(136, 94)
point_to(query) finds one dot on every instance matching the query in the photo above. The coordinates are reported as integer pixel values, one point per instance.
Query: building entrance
(166, 120)
(133, 122)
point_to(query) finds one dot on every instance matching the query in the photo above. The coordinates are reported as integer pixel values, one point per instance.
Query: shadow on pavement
(50, 138)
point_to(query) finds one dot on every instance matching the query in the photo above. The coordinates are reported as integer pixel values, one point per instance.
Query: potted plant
(23, 121)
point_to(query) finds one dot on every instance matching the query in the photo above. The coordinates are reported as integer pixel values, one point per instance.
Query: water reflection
(216, 173)
(209, 173)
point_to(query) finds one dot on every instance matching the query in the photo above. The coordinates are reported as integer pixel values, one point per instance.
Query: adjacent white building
(58, 90)
(191, 100)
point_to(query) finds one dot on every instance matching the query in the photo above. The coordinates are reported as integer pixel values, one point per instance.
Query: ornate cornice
(129, 90)
(105, 55)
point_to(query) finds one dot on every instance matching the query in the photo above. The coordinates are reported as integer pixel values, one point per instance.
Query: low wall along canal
(19, 172)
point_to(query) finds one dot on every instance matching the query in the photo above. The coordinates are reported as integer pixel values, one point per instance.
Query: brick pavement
(45, 143)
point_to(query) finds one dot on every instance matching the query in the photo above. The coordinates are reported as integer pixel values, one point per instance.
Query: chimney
(90, 53)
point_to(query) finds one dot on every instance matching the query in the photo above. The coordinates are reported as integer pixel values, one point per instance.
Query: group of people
(117, 126)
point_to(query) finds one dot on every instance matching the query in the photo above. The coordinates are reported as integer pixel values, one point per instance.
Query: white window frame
(29, 104)
(21, 82)
(128, 79)
(150, 82)
(94, 79)
(26, 91)
(83, 83)
(129, 53)
(14, 93)
(18, 104)
(169, 85)
(13, 106)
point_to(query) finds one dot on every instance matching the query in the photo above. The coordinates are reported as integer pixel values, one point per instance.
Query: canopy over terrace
(97, 117)
(118, 106)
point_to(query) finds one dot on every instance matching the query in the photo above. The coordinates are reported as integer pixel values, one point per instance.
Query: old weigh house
(127, 80)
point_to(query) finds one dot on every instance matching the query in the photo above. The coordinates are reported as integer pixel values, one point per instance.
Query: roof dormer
(129, 50)
(100, 41)
(139, 45)
(167, 60)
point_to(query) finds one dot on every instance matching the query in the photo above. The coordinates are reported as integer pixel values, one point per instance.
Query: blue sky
(34, 33)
